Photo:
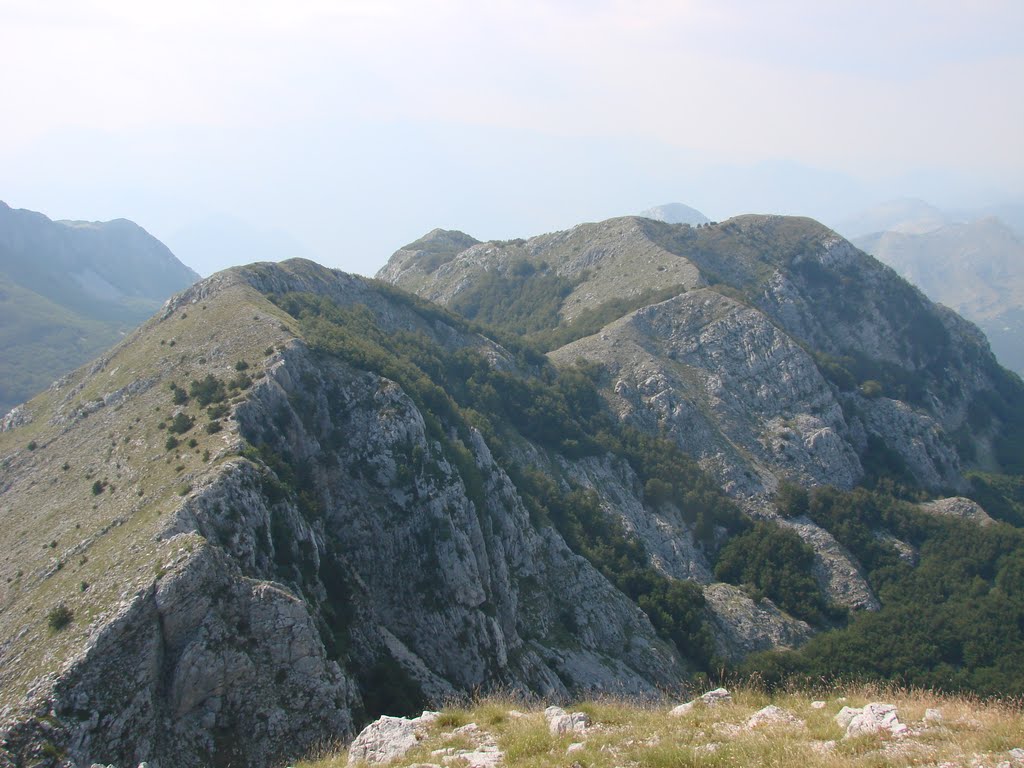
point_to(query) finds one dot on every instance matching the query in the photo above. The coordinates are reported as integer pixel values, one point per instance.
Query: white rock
(426, 718)
(876, 717)
(1017, 755)
(709, 699)
(817, 705)
(576, 746)
(383, 740)
(932, 716)
(773, 716)
(846, 715)
(717, 696)
(577, 722)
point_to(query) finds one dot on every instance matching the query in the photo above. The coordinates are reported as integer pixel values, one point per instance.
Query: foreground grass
(972, 733)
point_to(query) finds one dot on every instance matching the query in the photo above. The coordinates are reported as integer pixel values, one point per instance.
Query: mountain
(675, 213)
(906, 215)
(976, 268)
(296, 499)
(69, 290)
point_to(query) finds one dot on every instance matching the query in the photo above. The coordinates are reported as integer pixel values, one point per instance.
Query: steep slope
(70, 289)
(869, 365)
(975, 268)
(226, 545)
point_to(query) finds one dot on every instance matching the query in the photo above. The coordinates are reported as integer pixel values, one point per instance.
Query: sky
(342, 130)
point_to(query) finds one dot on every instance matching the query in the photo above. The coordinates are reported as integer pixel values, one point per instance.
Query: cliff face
(295, 498)
(314, 557)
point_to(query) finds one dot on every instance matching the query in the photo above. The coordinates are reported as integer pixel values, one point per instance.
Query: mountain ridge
(73, 288)
(295, 499)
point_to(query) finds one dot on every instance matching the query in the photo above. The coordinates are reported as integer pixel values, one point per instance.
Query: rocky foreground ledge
(862, 728)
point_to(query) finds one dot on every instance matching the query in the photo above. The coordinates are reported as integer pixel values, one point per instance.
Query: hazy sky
(342, 130)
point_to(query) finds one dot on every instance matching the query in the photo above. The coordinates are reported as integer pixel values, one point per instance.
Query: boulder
(872, 718)
(709, 699)
(560, 721)
(383, 740)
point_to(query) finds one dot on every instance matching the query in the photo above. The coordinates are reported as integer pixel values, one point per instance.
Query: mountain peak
(675, 213)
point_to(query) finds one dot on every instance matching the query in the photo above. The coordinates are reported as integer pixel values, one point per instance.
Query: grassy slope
(42, 340)
(63, 543)
(629, 734)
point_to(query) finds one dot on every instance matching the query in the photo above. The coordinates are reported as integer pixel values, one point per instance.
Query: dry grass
(623, 733)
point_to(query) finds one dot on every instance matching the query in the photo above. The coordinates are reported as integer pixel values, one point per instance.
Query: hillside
(296, 499)
(69, 290)
(976, 268)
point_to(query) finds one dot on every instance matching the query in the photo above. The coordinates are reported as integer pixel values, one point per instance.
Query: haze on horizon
(343, 130)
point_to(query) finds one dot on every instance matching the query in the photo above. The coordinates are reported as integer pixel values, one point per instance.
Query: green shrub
(207, 390)
(181, 424)
(59, 617)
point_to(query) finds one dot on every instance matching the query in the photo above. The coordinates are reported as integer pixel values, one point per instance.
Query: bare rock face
(743, 627)
(729, 387)
(408, 534)
(837, 572)
(202, 647)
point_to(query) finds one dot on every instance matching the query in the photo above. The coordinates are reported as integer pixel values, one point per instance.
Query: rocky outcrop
(837, 572)
(392, 510)
(729, 387)
(958, 507)
(199, 650)
(742, 627)
(870, 719)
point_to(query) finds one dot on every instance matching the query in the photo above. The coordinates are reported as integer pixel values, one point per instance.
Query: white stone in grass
(845, 716)
(560, 721)
(709, 699)
(932, 716)
(817, 705)
(875, 718)
(383, 740)
(772, 716)
(576, 746)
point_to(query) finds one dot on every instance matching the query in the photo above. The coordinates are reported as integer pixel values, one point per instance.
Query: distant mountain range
(972, 264)
(69, 290)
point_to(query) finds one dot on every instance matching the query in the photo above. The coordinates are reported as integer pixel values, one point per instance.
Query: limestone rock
(382, 741)
(743, 626)
(773, 716)
(872, 718)
(709, 699)
(561, 722)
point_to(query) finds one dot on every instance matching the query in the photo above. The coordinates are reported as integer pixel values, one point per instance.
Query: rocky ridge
(222, 506)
